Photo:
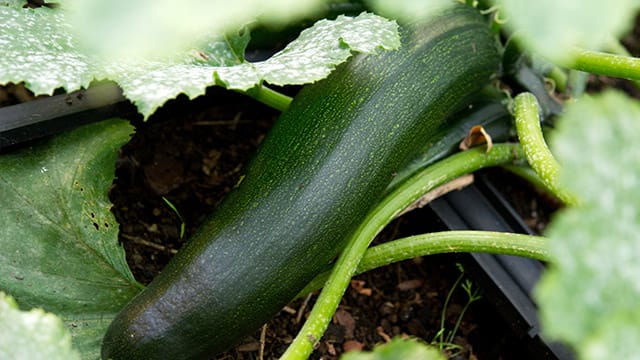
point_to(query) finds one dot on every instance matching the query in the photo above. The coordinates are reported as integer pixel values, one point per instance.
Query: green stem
(615, 47)
(459, 241)
(595, 62)
(559, 77)
(270, 97)
(473, 297)
(392, 205)
(443, 313)
(535, 148)
(577, 83)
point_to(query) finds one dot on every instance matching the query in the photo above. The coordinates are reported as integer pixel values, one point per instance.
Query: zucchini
(321, 168)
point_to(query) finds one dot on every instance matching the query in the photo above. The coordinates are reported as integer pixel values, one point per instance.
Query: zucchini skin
(321, 168)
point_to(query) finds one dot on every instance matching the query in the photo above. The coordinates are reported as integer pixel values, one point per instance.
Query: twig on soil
(263, 340)
(383, 335)
(233, 122)
(303, 307)
(289, 310)
(141, 241)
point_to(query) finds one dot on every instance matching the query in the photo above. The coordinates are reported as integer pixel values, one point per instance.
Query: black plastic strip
(54, 114)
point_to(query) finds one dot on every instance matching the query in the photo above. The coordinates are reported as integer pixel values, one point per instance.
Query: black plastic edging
(51, 115)
(507, 281)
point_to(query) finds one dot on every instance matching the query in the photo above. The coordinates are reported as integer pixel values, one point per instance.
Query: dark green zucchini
(321, 168)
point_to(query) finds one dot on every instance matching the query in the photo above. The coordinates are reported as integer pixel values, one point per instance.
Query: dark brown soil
(190, 153)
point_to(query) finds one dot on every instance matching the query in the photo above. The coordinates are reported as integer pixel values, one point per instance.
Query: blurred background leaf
(32, 334)
(589, 296)
(552, 28)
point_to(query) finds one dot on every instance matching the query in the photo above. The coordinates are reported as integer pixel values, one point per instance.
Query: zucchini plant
(313, 180)
(346, 157)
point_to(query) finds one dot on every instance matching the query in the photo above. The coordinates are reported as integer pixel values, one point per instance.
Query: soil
(191, 152)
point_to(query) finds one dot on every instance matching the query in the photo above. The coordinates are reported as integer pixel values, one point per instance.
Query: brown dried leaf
(358, 286)
(477, 135)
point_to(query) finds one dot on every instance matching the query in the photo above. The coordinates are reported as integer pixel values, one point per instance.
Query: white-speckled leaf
(58, 246)
(319, 49)
(37, 48)
(552, 28)
(43, 53)
(13, 3)
(145, 28)
(309, 58)
(589, 296)
(34, 334)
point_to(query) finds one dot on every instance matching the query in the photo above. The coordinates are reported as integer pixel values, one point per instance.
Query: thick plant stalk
(461, 241)
(392, 205)
(535, 148)
(595, 62)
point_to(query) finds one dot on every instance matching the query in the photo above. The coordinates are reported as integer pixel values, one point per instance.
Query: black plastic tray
(507, 281)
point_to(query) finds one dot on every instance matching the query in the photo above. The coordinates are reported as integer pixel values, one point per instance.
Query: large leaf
(149, 27)
(58, 245)
(309, 58)
(40, 48)
(13, 3)
(590, 295)
(32, 335)
(552, 28)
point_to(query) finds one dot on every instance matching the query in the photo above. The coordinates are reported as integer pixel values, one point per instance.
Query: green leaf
(309, 58)
(37, 48)
(398, 349)
(409, 9)
(32, 335)
(142, 28)
(589, 296)
(552, 28)
(48, 56)
(328, 43)
(13, 3)
(59, 248)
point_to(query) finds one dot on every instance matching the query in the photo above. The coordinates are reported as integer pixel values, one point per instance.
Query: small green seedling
(446, 342)
(175, 210)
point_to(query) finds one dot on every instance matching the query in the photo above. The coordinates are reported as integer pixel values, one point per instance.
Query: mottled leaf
(40, 49)
(144, 28)
(319, 49)
(37, 48)
(589, 296)
(58, 247)
(32, 334)
(13, 3)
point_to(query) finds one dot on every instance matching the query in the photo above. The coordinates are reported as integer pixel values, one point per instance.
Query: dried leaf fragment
(358, 286)
(477, 135)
